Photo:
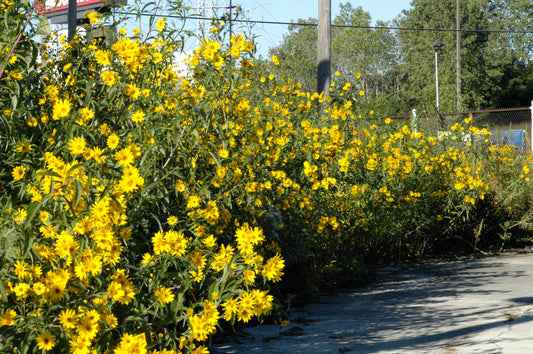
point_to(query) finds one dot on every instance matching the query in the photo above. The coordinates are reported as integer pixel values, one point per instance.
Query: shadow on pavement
(423, 309)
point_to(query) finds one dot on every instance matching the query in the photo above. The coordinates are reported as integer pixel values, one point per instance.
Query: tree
(297, 54)
(515, 44)
(398, 67)
(359, 54)
(492, 60)
(418, 58)
(358, 49)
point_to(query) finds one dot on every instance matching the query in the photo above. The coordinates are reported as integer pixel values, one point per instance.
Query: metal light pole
(72, 20)
(436, 47)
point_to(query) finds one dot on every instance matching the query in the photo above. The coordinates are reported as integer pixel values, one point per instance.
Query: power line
(266, 34)
(308, 24)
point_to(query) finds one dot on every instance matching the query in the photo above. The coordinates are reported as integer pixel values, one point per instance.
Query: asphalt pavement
(482, 306)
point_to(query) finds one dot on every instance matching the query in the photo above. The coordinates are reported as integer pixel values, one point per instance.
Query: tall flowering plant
(115, 236)
(143, 208)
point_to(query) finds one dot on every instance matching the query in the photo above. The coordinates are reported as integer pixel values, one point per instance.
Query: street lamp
(436, 47)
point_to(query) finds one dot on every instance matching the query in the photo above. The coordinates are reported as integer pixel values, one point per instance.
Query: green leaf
(135, 319)
(28, 242)
(3, 292)
(48, 173)
(76, 166)
(177, 304)
(31, 210)
(78, 192)
(15, 99)
(43, 28)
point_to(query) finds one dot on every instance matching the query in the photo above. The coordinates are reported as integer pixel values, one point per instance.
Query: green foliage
(297, 55)
(120, 229)
(144, 209)
(398, 66)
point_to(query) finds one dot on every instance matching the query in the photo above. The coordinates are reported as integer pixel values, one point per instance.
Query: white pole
(531, 129)
(458, 59)
(437, 78)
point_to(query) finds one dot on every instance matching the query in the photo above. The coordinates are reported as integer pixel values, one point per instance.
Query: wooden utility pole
(324, 47)
(458, 49)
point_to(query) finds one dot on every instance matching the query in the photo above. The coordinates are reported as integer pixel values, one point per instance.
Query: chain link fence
(508, 125)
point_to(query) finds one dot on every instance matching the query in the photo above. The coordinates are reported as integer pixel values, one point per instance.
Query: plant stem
(19, 39)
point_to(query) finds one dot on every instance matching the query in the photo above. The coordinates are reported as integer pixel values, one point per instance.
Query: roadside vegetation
(144, 209)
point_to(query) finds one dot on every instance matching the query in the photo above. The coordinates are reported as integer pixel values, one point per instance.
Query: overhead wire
(311, 24)
(266, 34)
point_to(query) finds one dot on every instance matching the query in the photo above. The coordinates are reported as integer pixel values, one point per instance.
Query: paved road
(483, 306)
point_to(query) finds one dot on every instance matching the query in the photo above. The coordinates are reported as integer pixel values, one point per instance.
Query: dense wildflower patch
(145, 207)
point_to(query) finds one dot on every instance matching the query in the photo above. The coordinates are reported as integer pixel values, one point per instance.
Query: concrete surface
(483, 306)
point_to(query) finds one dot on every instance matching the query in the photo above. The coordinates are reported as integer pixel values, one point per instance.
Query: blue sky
(287, 10)
(270, 35)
